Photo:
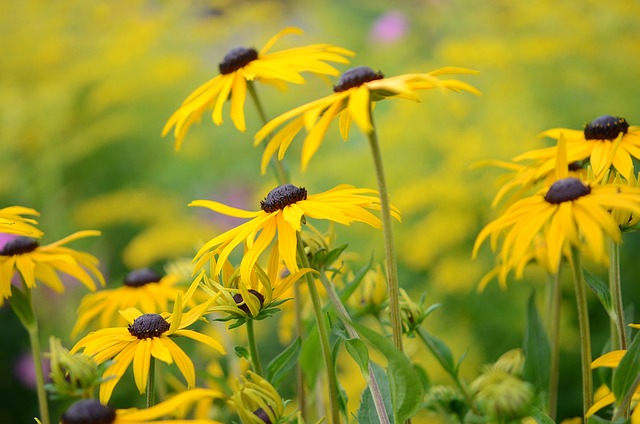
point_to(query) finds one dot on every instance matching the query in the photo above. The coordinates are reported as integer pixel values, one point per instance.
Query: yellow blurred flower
(352, 100)
(282, 213)
(243, 64)
(257, 401)
(42, 263)
(12, 221)
(147, 335)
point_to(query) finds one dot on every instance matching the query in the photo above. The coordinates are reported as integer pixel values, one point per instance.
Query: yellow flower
(91, 411)
(242, 299)
(147, 335)
(352, 100)
(257, 401)
(12, 221)
(281, 214)
(569, 213)
(597, 142)
(41, 263)
(143, 289)
(243, 64)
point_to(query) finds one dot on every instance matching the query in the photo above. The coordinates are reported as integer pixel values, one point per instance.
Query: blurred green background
(86, 87)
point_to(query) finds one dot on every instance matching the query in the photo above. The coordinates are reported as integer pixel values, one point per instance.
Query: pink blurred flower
(389, 27)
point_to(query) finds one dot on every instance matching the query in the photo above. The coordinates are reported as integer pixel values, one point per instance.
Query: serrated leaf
(284, 362)
(440, 350)
(405, 385)
(627, 372)
(536, 348)
(601, 290)
(367, 412)
(359, 352)
(21, 305)
(241, 352)
(539, 416)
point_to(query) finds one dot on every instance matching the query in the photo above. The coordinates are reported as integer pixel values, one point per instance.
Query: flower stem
(151, 382)
(554, 332)
(378, 401)
(390, 254)
(280, 171)
(618, 330)
(300, 390)
(583, 320)
(253, 348)
(37, 363)
(324, 336)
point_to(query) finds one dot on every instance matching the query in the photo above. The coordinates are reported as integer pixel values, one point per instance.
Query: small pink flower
(389, 27)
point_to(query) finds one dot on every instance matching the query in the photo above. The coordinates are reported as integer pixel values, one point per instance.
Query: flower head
(282, 212)
(352, 100)
(146, 336)
(142, 288)
(42, 263)
(91, 411)
(257, 401)
(241, 65)
(12, 221)
(598, 142)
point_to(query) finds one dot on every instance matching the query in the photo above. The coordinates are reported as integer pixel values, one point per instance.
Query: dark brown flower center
(605, 127)
(18, 246)
(141, 277)
(282, 196)
(239, 299)
(355, 77)
(148, 326)
(565, 190)
(262, 414)
(236, 59)
(88, 411)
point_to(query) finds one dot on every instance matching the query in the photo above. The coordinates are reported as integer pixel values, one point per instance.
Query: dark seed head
(239, 299)
(141, 277)
(605, 127)
(355, 77)
(18, 246)
(565, 190)
(262, 414)
(88, 411)
(236, 59)
(576, 166)
(148, 326)
(282, 196)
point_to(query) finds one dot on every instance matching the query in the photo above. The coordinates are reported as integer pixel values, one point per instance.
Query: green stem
(554, 332)
(583, 321)
(300, 390)
(37, 363)
(422, 333)
(253, 348)
(281, 174)
(390, 254)
(324, 336)
(151, 383)
(618, 330)
(378, 400)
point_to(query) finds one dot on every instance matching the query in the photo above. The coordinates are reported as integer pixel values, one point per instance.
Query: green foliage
(537, 350)
(284, 362)
(626, 377)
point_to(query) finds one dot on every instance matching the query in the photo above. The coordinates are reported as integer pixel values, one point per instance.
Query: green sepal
(241, 352)
(284, 362)
(21, 305)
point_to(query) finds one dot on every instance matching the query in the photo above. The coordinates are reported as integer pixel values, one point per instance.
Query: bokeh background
(86, 87)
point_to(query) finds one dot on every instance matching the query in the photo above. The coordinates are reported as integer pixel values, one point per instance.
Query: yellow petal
(360, 108)
(141, 363)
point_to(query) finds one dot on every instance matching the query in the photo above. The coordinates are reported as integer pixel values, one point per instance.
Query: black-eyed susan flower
(282, 213)
(597, 142)
(241, 65)
(42, 263)
(146, 336)
(91, 411)
(262, 293)
(257, 401)
(142, 288)
(351, 101)
(12, 221)
(568, 213)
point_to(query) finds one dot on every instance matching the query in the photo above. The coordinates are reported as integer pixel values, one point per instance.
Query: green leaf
(284, 362)
(405, 384)
(332, 256)
(21, 305)
(241, 352)
(310, 356)
(367, 412)
(601, 290)
(537, 351)
(539, 416)
(352, 285)
(440, 350)
(342, 394)
(627, 372)
(359, 352)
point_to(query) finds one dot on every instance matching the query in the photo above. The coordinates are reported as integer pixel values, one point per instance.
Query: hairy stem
(253, 348)
(618, 330)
